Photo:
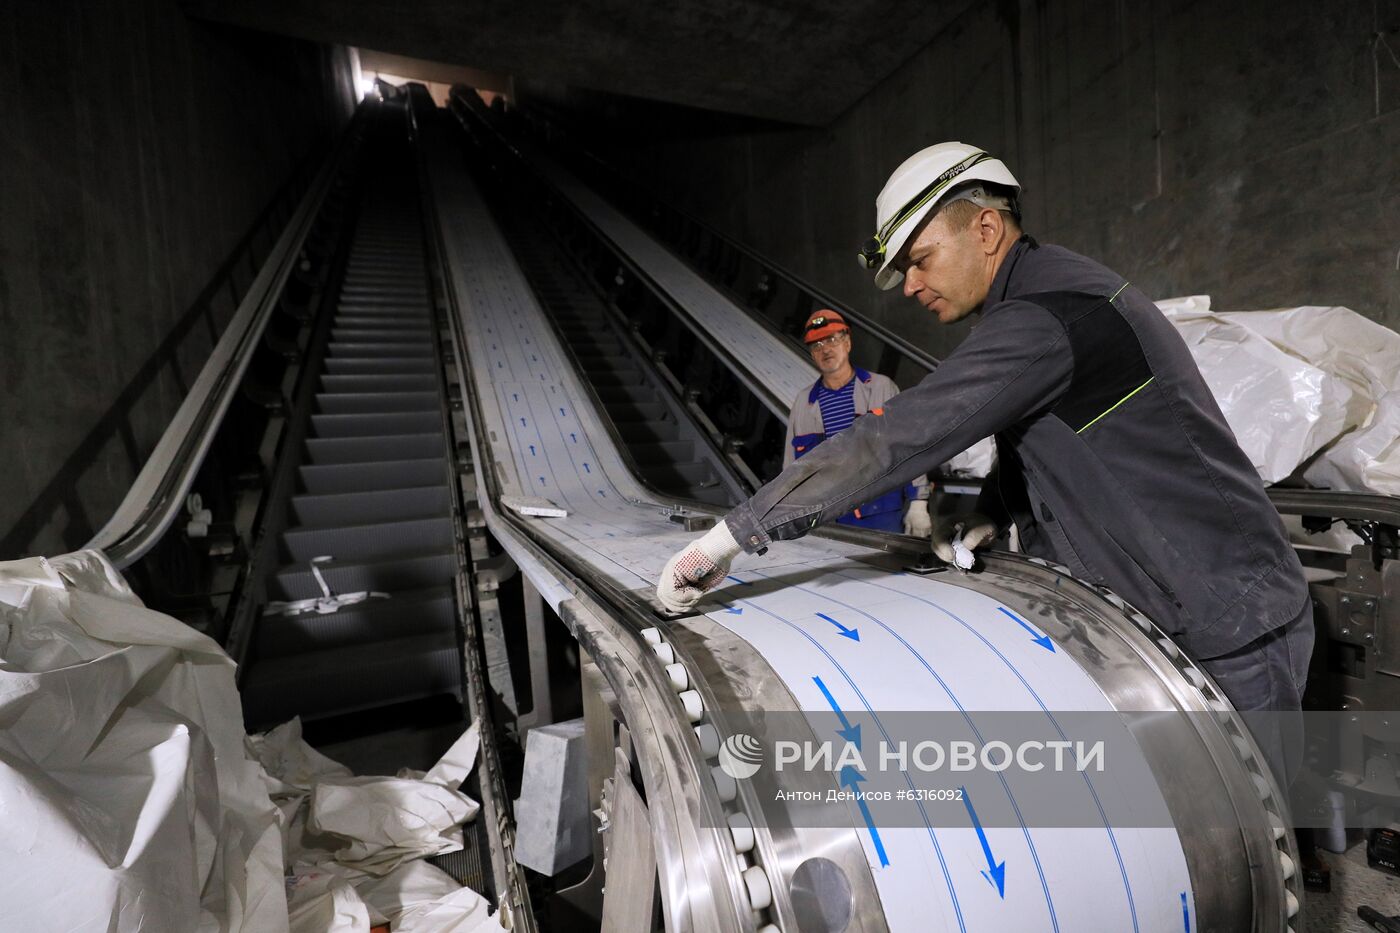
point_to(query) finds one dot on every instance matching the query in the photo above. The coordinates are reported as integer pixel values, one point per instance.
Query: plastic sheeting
(129, 803)
(354, 845)
(134, 802)
(388, 820)
(1303, 384)
(1312, 386)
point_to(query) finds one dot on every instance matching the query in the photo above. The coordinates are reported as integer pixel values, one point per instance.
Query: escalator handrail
(155, 498)
(866, 324)
(778, 406)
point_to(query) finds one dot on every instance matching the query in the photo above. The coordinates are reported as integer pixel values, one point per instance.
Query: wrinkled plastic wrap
(977, 460)
(354, 845)
(134, 803)
(1309, 385)
(1364, 356)
(128, 802)
(1283, 409)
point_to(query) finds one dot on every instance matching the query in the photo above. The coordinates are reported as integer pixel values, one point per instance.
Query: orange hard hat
(823, 324)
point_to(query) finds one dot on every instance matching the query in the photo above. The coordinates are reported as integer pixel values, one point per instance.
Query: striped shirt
(838, 407)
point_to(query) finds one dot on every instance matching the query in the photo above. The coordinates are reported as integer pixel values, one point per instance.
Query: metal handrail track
(155, 498)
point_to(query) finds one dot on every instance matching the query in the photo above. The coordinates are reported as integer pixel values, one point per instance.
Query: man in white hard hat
(841, 395)
(1113, 456)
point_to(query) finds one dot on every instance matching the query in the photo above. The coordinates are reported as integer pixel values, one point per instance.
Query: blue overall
(884, 513)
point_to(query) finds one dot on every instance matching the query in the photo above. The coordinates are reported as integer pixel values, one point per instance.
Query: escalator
(360, 609)
(667, 449)
(386, 583)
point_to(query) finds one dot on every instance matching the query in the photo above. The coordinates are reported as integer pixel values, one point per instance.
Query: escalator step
(371, 541)
(380, 383)
(326, 450)
(368, 477)
(357, 277)
(321, 510)
(601, 361)
(378, 348)
(373, 424)
(629, 411)
(645, 430)
(617, 378)
(409, 572)
(380, 306)
(385, 365)
(677, 451)
(354, 677)
(624, 395)
(681, 475)
(416, 612)
(382, 334)
(357, 403)
(374, 319)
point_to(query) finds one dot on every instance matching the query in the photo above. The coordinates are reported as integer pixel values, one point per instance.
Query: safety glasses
(828, 341)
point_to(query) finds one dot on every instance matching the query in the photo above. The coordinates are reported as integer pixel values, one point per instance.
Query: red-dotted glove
(696, 569)
(965, 533)
(916, 519)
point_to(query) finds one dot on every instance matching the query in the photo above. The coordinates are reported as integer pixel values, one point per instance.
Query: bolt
(1346, 631)
(1370, 636)
(1346, 599)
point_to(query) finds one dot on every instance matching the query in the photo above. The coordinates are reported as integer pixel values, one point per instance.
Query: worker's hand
(916, 520)
(697, 569)
(972, 531)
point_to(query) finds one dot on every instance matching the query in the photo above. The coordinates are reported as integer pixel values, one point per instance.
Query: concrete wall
(138, 148)
(1245, 150)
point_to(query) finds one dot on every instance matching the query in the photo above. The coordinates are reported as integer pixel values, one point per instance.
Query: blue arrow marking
(541, 480)
(500, 365)
(996, 871)
(851, 633)
(847, 731)
(732, 610)
(522, 422)
(850, 777)
(561, 413)
(534, 359)
(532, 451)
(1185, 913)
(586, 469)
(515, 396)
(603, 494)
(574, 438)
(1039, 638)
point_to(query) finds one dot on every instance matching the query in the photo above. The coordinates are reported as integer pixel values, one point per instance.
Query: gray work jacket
(1114, 458)
(806, 429)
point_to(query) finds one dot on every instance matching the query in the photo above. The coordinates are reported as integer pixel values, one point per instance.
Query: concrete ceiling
(800, 61)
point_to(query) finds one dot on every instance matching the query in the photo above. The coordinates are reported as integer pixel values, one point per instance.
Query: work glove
(955, 537)
(916, 520)
(697, 568)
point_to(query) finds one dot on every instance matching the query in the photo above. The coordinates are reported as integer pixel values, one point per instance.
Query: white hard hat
(922, 181)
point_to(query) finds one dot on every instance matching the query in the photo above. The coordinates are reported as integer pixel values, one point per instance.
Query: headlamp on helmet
(926, 179)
